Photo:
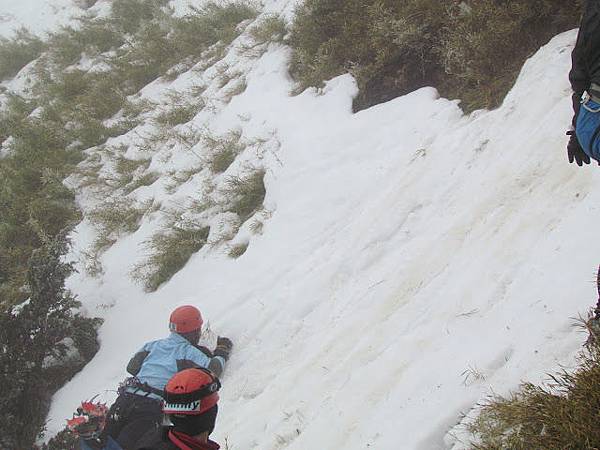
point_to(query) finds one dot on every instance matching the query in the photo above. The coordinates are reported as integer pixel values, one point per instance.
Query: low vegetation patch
(18, 51)
(178, 114)
(195, 33)
(147, 179)
(247, 194)
(223, 150)
(471, 50)
(169, 250)
(270, 28)
(92, 37)
(129, 15)
(114, 218)
(564, 413)
(127, 169)
(238, 250)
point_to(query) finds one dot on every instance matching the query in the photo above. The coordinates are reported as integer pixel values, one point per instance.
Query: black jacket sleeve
(135, 363)
(578, 76)
(585, 58)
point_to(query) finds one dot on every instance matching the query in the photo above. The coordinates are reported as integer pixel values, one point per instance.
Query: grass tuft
(223, 149)
(271, 28)
(562, 413)
(247, 193)
(112, 219)
(180, 113)
(170, 251)
(238, 250)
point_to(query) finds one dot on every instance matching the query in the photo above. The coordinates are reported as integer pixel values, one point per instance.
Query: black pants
(131, 416)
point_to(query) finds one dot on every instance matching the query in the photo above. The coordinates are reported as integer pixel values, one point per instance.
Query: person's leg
(144, 416)
(119, 414)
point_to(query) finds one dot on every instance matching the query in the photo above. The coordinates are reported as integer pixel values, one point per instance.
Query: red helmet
(191, 392)
(185, 319)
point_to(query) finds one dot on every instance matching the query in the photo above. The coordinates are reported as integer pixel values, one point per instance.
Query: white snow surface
(38, 16)
(413, 260)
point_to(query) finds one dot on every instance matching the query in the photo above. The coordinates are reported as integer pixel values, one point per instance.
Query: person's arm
(587, 38)
(578, 76)
(135, 364)
(221, 355)
(197, 356)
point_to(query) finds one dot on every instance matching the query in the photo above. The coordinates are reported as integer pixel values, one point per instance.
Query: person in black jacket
(585, 82)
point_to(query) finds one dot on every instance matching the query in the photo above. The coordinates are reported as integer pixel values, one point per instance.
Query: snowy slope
(37, 16)
(413, 261)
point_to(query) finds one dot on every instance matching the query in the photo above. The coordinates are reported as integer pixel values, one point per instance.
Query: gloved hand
(223, 349)
(574, 150)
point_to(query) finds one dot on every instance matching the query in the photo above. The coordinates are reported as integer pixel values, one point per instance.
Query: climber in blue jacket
(138, 407)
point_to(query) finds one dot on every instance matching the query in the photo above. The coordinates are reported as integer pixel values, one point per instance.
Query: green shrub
(469, 49)
(146, 179)
(223, 150)
(18, 51)
(65, 440)
(132, 109)
(64, 47)
(270, 28)
(113, 218)
(129, 15)
(102, 98)
(564, 413)
(177, 115)
(35, 340)
(161, 42)
(486, 45)
(170, 251)
(127, 168)
(150, 54)
(246, 194)
(16, 111)
(50, 213)
(385, 44)
(35, 204)
(197, 32)
(97, 35)
(92, 36)
(81, 101)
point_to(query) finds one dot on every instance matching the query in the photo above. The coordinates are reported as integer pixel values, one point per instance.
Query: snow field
(413, 260)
